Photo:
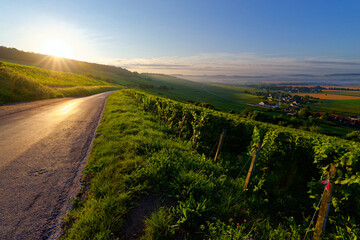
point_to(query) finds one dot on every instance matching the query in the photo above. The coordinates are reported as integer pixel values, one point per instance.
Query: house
(266, 104)
(353, 120)
(263, 103)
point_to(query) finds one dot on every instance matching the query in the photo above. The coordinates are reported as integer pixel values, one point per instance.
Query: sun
(56, 47)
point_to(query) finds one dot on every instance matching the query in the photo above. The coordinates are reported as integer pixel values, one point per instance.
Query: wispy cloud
(239, 64)
(334, 62)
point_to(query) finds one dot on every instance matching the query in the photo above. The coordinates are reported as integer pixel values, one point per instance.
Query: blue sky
(249, 37)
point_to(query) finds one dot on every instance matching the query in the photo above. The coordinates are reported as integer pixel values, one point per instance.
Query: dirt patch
(135, 223)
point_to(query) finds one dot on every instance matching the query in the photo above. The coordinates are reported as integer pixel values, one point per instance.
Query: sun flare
(57, 48)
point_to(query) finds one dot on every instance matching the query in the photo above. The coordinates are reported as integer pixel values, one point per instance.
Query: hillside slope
(60, 64)
(19, 83)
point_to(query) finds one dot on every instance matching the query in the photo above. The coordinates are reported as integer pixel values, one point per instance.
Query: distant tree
(304, 112)
(354, 136)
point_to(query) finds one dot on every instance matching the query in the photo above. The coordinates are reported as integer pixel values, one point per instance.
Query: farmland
(332, 96)
(139, 169)
(346, 107)
(344, 93)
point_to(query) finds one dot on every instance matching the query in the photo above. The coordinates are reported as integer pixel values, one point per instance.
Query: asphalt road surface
(43, 149)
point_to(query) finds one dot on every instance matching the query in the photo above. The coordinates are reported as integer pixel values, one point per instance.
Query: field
(342, 92)
(222, 97)
(332, 96)
(342, 107)
(21, 83)
(145, 182)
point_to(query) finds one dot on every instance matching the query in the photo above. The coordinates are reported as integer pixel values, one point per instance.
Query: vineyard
(169, 151)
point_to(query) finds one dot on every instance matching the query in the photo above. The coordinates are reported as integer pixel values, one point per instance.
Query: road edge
(57, 231)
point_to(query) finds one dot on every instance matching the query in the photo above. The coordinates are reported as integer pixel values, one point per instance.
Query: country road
(43, 149)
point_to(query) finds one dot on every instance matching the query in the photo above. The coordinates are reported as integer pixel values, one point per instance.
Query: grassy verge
(22, 83)
(134, 156)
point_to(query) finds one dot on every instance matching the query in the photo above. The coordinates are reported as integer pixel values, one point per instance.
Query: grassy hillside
(222, 97)
(60, 64)
(100, 71)
(19, 83)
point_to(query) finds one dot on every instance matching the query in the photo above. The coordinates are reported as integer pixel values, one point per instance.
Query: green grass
(20, 83)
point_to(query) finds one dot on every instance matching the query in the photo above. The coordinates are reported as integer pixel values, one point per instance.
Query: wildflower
(238, 224)
(230, 219)
(327, 183)
(245, 220)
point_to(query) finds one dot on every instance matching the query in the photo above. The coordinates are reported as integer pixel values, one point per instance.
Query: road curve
(43, 148)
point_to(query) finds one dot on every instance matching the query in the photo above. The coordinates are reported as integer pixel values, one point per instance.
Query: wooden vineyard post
(252, 165)
(325, 205)
(222, 136)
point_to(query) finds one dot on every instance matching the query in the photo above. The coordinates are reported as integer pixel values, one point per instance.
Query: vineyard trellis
(289, 158)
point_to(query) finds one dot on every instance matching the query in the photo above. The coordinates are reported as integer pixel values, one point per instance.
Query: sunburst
(57, 47)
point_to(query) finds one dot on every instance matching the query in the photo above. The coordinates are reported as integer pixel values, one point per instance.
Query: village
(290, 110)
(286, 100)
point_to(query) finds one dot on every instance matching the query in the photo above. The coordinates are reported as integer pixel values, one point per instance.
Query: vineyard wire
(244, 167)
(317, 209)
(248, 161)
(214, 147)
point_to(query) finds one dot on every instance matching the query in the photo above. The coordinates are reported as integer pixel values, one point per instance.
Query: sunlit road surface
(42, 152)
